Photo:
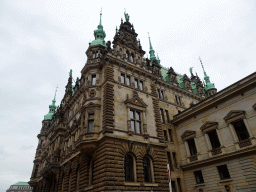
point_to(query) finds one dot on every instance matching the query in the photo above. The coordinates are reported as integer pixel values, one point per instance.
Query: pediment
(254, 106)
(188, 134)
(234, 115)
(92, 105)
(209, 125)
(135, 100)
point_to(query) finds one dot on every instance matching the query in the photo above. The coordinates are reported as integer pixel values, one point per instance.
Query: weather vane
(148, 35)
(200, 61)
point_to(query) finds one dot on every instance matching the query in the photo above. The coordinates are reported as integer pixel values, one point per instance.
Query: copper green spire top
(151, 50)
(208, 84)
(127, 17)
(70, 72)
(99, 35)
(52, 108)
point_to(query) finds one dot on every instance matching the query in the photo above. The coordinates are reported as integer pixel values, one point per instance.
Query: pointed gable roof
(234, 115)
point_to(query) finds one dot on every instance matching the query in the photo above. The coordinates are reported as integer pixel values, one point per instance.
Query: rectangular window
(241, 130)
(42, 143)
(158, 92)
(223, 171)
(135, 121)
(214, 139)
(162, 115)
(177, 100)
(165, 136)
(127, 80)
(90, 122)
(169, 160)
(192, 146)
(199, 177)
(136, 82)
(179, 184)
(162, 94)
(141, 85)
(174, 160)
(167, 116)
(93, 79)
(173, 186)
(122, 78)
(36, 170)
(170, 134)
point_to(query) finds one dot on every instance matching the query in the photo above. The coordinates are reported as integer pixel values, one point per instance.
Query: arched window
(147, 170)
(129, 168)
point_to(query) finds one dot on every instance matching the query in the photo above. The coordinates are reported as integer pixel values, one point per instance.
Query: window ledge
(225, 180)
(141, 184)
(88, 188)
(200, 185)
(131, 183)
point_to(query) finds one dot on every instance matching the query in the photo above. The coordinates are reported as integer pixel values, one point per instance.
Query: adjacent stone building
(20, 187)
(114, 128)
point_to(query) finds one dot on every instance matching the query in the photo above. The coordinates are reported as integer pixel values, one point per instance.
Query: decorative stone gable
(135, 100)
(208, 126)
(188, 134)
(234, 115)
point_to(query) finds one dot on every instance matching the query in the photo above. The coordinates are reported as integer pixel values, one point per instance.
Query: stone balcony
(87, 142)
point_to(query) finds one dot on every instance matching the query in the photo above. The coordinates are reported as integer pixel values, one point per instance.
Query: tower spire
(99, 34)
(52, 108)
(151, 50)
(208, 84)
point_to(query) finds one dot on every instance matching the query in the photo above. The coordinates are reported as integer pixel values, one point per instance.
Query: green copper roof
(52, 108)
(151, 51)
(99, 35)
(22, 183)
(164, 74)
(208, 85)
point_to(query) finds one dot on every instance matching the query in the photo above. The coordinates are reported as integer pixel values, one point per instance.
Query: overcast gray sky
(41, 40)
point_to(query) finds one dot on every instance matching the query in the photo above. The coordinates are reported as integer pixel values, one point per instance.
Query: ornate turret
(151, 51)
(69, 88)
(99, 35)
(52, 108)
(209, 87)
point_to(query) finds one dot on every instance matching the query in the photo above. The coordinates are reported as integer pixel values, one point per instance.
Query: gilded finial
(148, 35)
(100, 15)
(55, 92)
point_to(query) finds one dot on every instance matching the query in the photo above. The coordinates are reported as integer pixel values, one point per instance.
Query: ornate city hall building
(127, 117)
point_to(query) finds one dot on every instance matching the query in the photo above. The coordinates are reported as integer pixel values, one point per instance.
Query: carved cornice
(234, 115)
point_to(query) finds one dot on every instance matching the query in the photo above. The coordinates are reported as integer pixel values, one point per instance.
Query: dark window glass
(169, 160)
(162, 94)
(177, 99)
(132, 58)
(92, 172)
(90, 123)
(179, 184)
(241, 130)
(122, 78)
(170, 134)
(162, 115)
(199, 177)
(136, 82)
(192, 146)
(174, 160)
(135, 121)
(165, 136)
(158, 92)
(223, 171)
(167, 116)
(127, 80)
(147, 170)
(173, 186)
(93, 79)
(36, 170)
(128, 166)
(141, 85)
(214, 139)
